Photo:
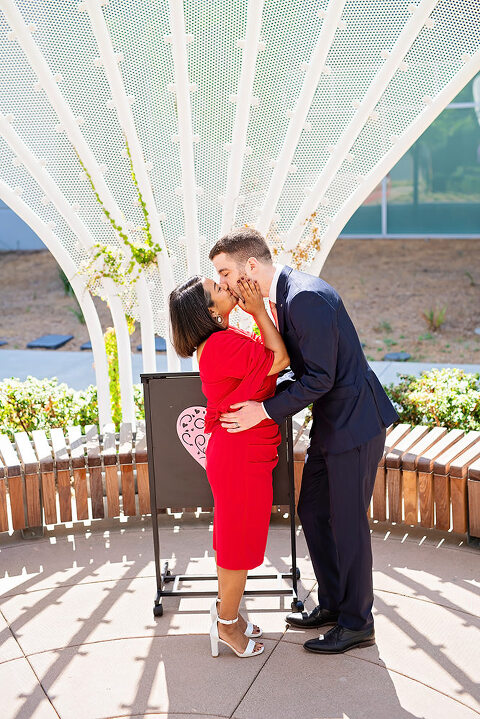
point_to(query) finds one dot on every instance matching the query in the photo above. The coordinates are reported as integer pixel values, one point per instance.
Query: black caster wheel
(158, 610)
(297, 572)
(297, 605)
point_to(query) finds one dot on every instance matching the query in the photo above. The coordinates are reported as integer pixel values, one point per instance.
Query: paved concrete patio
(79, 639)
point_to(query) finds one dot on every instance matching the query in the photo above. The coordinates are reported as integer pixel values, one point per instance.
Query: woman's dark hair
(191, 322)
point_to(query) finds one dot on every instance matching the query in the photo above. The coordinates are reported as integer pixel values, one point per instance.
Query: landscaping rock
(160, 345)
(51, 342)
(397, 356)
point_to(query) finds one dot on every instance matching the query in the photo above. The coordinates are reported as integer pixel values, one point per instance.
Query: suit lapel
(282, 291)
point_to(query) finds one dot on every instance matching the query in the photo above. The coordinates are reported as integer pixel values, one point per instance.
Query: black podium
(174, 420)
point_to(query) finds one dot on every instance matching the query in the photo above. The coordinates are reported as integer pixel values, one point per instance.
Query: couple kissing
(309, 354)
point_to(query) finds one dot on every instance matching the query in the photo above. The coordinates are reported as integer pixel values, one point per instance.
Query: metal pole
(291, 476)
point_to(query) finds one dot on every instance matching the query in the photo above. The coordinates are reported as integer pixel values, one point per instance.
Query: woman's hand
(250, 297)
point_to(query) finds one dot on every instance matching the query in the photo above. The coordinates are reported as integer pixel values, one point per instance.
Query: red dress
(233, 368)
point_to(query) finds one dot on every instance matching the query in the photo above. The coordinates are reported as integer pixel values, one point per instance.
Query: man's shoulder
(302, 284)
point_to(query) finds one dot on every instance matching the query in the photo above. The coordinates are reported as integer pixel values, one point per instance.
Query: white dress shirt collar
(272, 294)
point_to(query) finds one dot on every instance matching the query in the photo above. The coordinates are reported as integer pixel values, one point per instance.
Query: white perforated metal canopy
(280, 115)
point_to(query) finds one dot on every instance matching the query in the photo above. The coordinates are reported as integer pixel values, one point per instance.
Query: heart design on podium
(190, 426)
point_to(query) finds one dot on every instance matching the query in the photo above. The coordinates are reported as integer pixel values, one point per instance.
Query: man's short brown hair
(242, 243)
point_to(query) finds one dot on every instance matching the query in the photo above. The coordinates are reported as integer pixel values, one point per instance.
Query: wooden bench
(473, 498)
(426, 477)
(71, 470)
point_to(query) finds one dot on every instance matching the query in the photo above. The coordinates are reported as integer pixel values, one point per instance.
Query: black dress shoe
(340, 639)
(316, 618)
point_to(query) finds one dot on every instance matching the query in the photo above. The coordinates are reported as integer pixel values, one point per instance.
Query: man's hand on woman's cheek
(246, 415)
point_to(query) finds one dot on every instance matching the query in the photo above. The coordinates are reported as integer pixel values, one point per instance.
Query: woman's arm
(251, 301)
(273, 340)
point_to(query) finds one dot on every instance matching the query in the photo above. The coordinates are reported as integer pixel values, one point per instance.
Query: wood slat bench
(426, 477)
(473, 499)
(42, 480)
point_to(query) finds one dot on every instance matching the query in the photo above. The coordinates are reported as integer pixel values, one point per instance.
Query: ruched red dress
(233, 368)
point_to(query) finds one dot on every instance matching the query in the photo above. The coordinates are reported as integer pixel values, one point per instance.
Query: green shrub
(447, 397)
(41, 404)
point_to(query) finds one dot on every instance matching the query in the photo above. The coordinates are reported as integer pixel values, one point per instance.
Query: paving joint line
(414, 679)
(115, 639)
(265, 663)
(98, 581)
(25, 656)
(277, 642)
(427, 601)
(167, 714)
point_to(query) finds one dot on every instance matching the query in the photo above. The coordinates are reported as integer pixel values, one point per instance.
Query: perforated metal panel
(337, 154)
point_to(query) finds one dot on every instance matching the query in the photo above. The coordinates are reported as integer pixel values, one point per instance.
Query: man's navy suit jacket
(328, 367)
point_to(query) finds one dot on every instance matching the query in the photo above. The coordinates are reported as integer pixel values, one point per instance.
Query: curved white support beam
(316, 66)
(185, 135)
(405, 40)
(403, 143)
(84, 298)
(53, 193)
(70, 126)
(242, 113)
(125, 119)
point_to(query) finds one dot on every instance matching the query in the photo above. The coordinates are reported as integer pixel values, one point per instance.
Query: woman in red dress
(235, 366)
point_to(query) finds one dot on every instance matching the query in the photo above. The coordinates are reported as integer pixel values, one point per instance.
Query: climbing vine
(111, 349)
(113, 260)
(301, 253)
(110, 261)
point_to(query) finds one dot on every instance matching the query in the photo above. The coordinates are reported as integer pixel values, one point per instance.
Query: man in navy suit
(351, 412)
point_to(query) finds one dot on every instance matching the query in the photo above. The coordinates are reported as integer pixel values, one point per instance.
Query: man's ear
(252, 264)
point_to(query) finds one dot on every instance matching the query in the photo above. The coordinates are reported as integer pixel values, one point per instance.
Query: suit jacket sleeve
(316, 327)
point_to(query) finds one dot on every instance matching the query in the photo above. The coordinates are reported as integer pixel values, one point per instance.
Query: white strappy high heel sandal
(215, 639)
(248, 631)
